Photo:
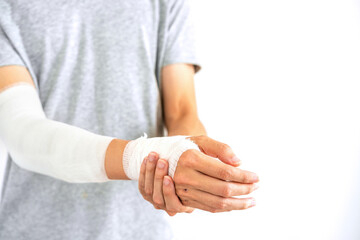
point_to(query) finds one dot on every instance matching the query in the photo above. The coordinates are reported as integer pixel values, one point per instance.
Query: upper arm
(14, 74)
(178, 90)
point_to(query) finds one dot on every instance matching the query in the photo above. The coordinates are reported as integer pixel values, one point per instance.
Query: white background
(281, 84)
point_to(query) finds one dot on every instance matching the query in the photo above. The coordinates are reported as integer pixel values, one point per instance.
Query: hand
(159, 191)
(204, 182)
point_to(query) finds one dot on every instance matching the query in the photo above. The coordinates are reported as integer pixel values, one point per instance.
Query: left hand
(204, 182)
(158, 188)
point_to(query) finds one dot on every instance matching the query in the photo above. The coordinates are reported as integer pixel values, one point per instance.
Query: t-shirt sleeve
(180, 44)
(8, 54)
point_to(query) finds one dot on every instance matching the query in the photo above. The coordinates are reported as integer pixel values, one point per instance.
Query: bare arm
(180, 110)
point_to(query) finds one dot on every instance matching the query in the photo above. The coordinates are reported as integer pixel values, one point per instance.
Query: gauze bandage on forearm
(48, 147)
(168, 148)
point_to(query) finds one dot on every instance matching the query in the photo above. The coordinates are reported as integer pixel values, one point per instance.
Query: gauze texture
(45, 146)
(168, 148)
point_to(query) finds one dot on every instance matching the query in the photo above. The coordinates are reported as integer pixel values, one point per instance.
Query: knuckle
(141, 186)
(213, 210)
(142, 170)
(158, 177)
(187, 158)
(245, 178)
(185, 202)
(147, 198)
(188, 162)
(186, 154)
(225, 173)
(191, 152)
(221, 204)
(227, 190)
(158, 201)
(161, 206)
(226, 149)
(194, 152)
(180, 179)
(172, 209)
(148, 191)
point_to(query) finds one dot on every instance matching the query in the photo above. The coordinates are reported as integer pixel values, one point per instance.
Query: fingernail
(152, 157)
(255, 178)
(145, 160)
(166, 181)
(252, 202)
(235, 159)
(160, 164)
(256, 187)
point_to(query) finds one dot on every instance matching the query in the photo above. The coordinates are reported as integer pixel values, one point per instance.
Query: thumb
(216, 149)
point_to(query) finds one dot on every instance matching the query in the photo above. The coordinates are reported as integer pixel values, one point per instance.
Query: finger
(170, 213)
(197, 180)
(217, 202)
(217, 149)
(160, 172)
(195, 204)
(141, 184)
(150, 171)
(172, 201)
(212, 167)
(201, 206)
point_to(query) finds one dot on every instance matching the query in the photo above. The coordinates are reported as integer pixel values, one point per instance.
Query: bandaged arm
(67, 152)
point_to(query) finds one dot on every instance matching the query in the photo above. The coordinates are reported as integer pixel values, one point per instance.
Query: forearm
(187, 124)
(52, 148)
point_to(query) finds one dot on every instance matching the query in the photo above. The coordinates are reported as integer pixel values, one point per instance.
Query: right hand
(204, 182)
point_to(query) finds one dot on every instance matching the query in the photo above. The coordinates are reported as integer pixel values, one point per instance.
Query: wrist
(189, 128)
(114, 159)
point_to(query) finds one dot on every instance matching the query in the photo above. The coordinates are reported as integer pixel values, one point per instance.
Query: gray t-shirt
(96, 65)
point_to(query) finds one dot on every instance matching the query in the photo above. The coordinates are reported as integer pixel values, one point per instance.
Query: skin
(181, 118)
(200, 180)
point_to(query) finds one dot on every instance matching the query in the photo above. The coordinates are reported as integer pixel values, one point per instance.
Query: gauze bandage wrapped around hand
(168, 148)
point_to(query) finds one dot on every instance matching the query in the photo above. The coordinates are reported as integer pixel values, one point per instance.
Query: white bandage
(168, 148)
(48, 147)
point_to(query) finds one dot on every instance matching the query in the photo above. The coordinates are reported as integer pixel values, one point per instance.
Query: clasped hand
(200, 181)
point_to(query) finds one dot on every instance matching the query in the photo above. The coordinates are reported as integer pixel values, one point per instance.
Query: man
(100, 69)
